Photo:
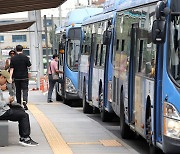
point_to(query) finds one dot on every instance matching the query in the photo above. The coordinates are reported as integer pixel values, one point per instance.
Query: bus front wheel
(86, 107)
(152, 148)
(58, 97)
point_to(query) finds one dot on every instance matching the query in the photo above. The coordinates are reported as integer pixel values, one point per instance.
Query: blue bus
(95, 62)
(69, 46)
(146, 72)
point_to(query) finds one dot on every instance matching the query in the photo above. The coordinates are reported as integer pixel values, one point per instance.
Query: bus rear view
(70, 39)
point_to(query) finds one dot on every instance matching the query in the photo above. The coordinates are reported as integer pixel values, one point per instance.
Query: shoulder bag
(55, 76)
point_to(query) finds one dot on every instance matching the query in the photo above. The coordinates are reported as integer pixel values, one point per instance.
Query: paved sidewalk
(82, 134)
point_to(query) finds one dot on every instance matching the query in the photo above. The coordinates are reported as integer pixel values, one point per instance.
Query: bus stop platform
(60, 129)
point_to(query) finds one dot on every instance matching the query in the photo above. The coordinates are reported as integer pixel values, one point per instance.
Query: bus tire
(105, 116)
(152, 148)
(86, 107)
(67, 102)
(58, 97)
(124, 128)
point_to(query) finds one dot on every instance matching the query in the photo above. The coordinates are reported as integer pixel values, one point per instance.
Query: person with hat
(10, 86)
(10, 110)
(8, 60)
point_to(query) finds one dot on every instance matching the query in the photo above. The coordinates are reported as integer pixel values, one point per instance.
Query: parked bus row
(128, 64)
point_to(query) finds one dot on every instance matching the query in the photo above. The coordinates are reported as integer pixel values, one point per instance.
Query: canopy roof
(12, 6)
(11, 26)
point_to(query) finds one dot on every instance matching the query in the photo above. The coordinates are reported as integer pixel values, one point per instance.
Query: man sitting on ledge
(9, 110)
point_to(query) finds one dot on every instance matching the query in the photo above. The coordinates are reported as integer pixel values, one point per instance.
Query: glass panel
(1, 38)
(146, 49)
(72, 54)
(175, 6)
(174, 64)
(103, 55)
(74, 34)
(18, 38)
(43, 37)
(87, 40)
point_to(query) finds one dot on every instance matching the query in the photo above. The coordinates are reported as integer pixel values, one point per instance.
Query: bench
(3, 132)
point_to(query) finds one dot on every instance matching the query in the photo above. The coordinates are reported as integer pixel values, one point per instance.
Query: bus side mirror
(158, 31)
(106, 37)
(159, 25)
(161, 10)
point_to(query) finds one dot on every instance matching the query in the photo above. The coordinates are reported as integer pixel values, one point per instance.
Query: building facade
(98, 2)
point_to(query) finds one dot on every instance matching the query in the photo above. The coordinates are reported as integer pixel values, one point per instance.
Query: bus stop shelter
(12, 6)
(18, 25)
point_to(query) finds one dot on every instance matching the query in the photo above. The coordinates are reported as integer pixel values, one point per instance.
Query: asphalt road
(137, 143)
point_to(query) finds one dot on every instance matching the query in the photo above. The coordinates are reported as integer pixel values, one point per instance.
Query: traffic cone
(42, 84)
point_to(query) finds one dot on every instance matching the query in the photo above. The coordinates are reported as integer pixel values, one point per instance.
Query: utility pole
(35, 36)
(60, 16)
(53, 34)
(77, 2)
(89, 2)
(46, 38)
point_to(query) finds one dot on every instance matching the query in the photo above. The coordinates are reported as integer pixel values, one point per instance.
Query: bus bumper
(72, 96)
(171, 145)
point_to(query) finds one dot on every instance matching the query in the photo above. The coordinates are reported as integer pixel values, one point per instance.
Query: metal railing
(34, 78)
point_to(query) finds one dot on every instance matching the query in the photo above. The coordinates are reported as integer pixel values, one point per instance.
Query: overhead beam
(11, 26)
(12, 6)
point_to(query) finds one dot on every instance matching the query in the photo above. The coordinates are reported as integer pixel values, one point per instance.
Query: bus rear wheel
(124, 128)
(105, 116)
(86, 107)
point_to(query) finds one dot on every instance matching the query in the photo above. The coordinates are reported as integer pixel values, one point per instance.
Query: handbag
(55, 76)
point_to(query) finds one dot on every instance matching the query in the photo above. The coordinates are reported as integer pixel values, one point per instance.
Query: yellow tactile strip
(55, 140)
(111, 143)
(83, 143)
(106, 143)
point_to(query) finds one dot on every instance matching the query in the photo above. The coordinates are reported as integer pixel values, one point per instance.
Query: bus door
(72, 54)
(132, 67)
(141, 78)
(98, 70)
(61, 63)
(93, 40)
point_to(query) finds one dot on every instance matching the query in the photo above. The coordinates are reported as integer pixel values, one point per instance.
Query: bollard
(42, 84)
(47, 83)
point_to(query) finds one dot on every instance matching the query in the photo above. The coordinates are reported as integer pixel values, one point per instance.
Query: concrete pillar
(35, 36)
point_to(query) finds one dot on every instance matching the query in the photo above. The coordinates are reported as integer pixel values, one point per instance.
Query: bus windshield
(174, 50)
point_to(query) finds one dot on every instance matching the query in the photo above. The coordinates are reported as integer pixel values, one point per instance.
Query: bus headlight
(171, 121)
(69, 86)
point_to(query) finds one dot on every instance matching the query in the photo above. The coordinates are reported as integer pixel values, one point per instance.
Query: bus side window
(61, 57)
(141, 60)
(85, 49)
(96, 58)
(82, 49)
(117, 45)
(122, 45)
(101, 56)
